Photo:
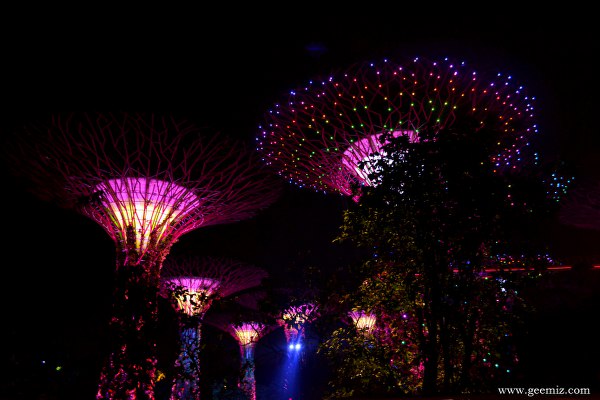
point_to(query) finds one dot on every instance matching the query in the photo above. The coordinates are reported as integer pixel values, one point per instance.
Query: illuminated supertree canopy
(324, 135)
(294, 318)
(363, 321)
(193, 283)
(147, 179)
(202, 279)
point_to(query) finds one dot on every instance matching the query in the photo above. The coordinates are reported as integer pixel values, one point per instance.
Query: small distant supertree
(328, 134)
(147, 179)
(193, 283)
(294, 320)
(363, 321)
(247, 334)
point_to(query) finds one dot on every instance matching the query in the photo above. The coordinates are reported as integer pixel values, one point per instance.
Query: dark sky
(224, 71)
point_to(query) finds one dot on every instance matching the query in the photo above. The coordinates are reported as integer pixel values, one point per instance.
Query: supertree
(327, 134)
(294, 320)
(363, 321)
(194, 283)
(146, 179)
(248, 334)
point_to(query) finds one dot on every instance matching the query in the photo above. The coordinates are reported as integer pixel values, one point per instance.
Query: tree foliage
(437, 220)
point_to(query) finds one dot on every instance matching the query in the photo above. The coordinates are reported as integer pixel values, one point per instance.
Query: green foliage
(438, 218)
(366, 365)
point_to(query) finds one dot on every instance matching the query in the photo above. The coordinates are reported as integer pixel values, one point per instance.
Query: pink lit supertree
(248, 334)
(363, 321)
(194, 283)
(327, 134)
(294, 319)
(146, 179)
(242, 317)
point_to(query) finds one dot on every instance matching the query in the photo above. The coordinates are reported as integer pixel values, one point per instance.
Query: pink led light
(148, 207)
(363, 321)
(310, 138)
(197, 294)
(367, 150)
(248, 333)
(294, 319)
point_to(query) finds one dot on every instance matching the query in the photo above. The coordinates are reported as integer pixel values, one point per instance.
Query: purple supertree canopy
(295, 317)
(202, 279)
(321, 132)
(247, 333)
(364, 321)
(146, 179)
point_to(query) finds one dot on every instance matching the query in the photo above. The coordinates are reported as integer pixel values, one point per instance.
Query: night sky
(223, 72)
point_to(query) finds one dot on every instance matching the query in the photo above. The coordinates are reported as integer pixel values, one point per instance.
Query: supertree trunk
(129, 372)
(248, 381)
(186, 385)
(293, 320)
(292, 361)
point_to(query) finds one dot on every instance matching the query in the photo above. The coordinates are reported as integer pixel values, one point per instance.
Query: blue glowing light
(294, 346)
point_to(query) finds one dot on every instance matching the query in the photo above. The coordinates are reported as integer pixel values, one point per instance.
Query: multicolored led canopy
(318, 136)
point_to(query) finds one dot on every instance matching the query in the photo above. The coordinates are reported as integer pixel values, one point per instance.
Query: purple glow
(294, 318)
(368, 149)
(217, 276)
(146, 207)
(197, 294)
(363, 321)
(247, 334)
(317, 135)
